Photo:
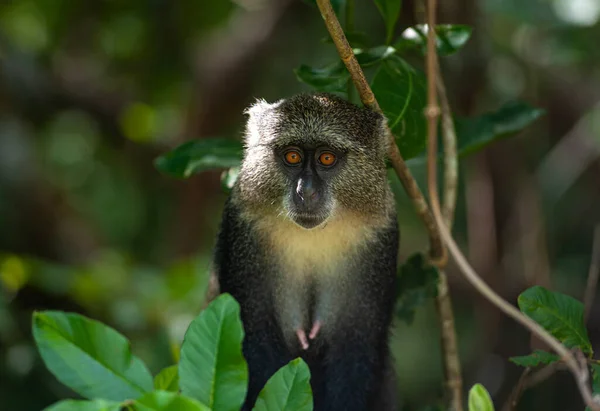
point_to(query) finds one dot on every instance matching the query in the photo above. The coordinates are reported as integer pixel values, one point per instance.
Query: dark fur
(350, 363)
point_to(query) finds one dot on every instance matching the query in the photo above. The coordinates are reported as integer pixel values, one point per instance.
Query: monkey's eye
(292, 157)
(327, 158)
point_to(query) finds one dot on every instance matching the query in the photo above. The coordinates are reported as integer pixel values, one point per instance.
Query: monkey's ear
(260, 116)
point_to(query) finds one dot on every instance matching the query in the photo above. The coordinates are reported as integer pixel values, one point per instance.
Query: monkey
(308, 246)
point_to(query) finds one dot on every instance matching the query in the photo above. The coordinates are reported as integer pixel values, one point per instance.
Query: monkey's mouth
(309, 221)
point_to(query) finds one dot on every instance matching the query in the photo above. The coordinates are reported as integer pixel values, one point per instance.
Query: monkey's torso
(286, 278)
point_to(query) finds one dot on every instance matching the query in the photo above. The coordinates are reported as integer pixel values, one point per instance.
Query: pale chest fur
(314, 277)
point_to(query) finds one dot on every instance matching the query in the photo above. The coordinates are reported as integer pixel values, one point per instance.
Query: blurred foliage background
(92, 92)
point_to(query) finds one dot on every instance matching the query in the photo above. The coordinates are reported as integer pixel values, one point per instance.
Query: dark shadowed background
(91, 92)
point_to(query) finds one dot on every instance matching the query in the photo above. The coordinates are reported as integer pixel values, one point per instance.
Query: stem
(452, 370)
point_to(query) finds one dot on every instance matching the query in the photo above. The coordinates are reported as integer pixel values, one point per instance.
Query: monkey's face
(312, 158)
(309, 170)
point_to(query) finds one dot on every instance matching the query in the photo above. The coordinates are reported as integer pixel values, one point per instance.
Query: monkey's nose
(307, 192)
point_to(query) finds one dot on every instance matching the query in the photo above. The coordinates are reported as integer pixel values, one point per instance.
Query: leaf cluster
(96, 362)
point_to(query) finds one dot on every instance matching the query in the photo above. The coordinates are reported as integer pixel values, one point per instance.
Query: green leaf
(89, 357)
(449, 38)
(372, 56)
(559, 314)
(479, 399)
(167, 379)
(228, 178)
(416, 284)
(475, 133)
(401, 92)
(331, 78)
(200, 155)
(167, 401)
(82, 405)
(390, 11)
(536, 358)
(287, 390)
(212, 368)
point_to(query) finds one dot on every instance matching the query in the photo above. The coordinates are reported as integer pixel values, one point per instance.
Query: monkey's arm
(243, 272)
(359, 353)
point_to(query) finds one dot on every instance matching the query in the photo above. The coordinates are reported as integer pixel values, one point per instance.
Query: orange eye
(327, 159)
(293, 157)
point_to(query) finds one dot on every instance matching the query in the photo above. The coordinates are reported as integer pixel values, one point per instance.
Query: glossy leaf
(559, 314)
(331, 78)
(390, 11)
(89, 357)
(82, 405)
(479, 399)
(287, 390)
(200, 155)
(400, 90)
(475, 133)
(450, 38)
(167, 379)
(536, 358)
(167, 401)
(212, 368)
(417, 283)
(372, 56)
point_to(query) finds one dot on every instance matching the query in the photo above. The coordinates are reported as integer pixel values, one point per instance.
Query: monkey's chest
(311, 302)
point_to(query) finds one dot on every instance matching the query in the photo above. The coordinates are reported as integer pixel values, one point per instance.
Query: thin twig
(452, 368)
(432, 113)
(592, 282)
(450, 154)
(437, 251)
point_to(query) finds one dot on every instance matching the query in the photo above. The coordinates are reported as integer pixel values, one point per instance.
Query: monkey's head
(311, 157)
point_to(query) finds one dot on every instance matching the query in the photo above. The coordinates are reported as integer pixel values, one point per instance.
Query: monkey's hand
(301, 334)
(302, 338)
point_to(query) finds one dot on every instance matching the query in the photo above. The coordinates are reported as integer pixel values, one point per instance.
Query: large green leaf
(89, 357)
(168, 401)
(390, 11)
(330, 78)
(212, 368)
(559, 314)
(287, 390)
(449, 38)
(475, 133)
(479, 399)
(82, 405)
(200, 155)
(167, 379)
(536, 358)
(417, 283)
(400, 90)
